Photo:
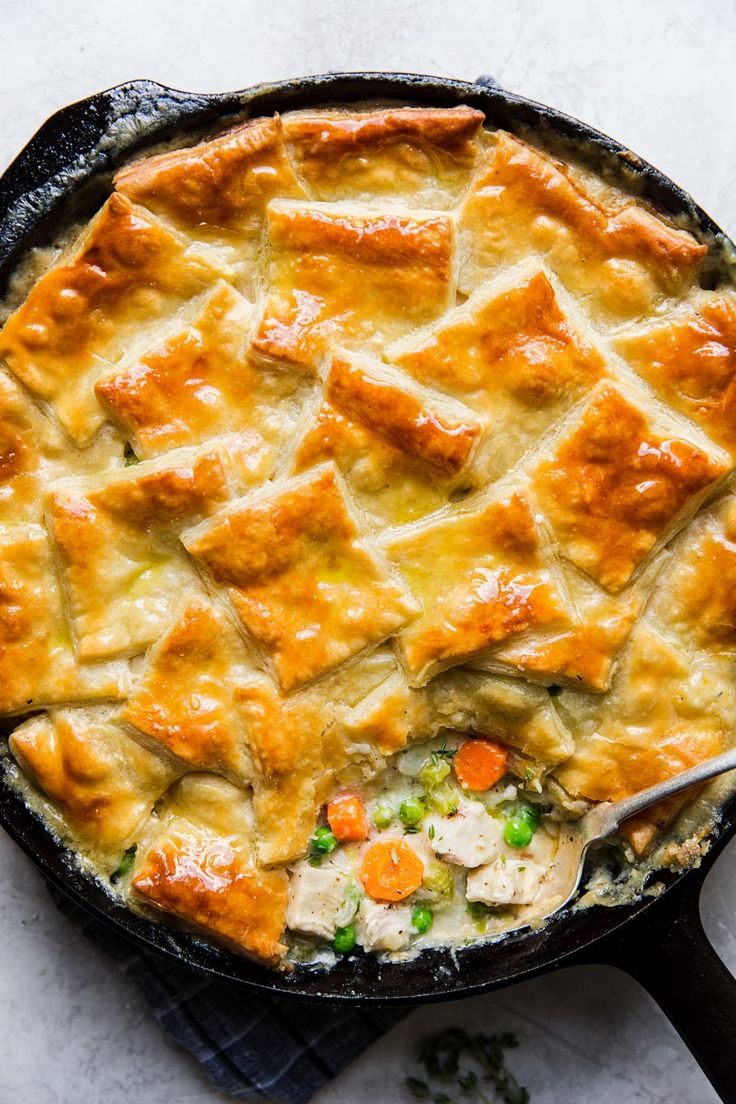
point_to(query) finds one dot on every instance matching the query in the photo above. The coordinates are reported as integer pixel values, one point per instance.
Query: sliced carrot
(480, 763)
(391, 870)
(347, 818)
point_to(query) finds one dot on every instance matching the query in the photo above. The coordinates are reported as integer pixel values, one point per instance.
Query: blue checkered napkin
(253, 1047)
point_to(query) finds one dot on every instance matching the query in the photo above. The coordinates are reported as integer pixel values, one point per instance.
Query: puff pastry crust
(610, 250)
(102, 783)
(216, 192)
(307, 586)
(199, 383)
(118, 550)
(127, 273)
(200, 868)
(422, 154)
(335, 435)
(352, 275)
(401, 448)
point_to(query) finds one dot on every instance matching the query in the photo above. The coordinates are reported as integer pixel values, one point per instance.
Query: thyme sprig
(445, 1059)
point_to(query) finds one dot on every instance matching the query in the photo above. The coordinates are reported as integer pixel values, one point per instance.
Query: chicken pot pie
(365, 512)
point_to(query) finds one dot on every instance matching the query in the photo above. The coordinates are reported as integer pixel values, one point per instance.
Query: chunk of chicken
(383, 927)
(469, 838)
(505, 881)
(315, 895)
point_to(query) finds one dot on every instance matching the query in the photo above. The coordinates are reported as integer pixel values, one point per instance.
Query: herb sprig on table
(457, 1059)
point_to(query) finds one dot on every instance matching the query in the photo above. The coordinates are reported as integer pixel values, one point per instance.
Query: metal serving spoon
(563, 877)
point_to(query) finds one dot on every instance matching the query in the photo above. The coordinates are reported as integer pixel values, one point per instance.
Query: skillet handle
(669, 954)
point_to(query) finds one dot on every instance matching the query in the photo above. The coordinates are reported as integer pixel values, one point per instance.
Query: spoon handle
(709, 768)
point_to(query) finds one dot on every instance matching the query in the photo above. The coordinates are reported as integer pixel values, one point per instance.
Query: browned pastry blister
(342, 432)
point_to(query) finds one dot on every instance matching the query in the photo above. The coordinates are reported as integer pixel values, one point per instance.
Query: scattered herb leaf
(419, 1089)
(441, 1056)
(126, 865)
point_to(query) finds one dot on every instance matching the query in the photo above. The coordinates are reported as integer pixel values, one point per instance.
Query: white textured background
(659, 76)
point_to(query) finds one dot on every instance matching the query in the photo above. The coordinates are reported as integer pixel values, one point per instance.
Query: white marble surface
(658, 75)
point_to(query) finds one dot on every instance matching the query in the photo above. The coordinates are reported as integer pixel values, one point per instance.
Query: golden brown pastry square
(350, 275)
(516, 352)
(38, 665)
(306, 584)
(187, 698)
(689, 359)
(401, 448)
(216, 191)
(120, 558)
(126, 273)
(482, 576)
(616, 255)
(617, 483)
(422, 154)
(103, 783)
(199, 383)
(198, 865)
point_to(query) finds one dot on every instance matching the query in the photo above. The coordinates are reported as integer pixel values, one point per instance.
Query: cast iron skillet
(64, 171)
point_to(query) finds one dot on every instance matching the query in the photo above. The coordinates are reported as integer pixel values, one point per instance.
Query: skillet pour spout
(62, 174)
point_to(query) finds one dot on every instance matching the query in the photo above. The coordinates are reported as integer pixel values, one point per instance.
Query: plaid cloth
(251, 1046)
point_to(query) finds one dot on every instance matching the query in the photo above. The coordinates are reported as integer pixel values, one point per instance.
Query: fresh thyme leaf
(441, 1055)
(411, 829)
(418, 1089)
(468, 1080)
(444, 752)
(126, 865)
(430, 831)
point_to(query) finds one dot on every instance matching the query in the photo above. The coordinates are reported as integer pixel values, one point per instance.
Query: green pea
(383, 814)
(323, 841)
(518, 832)
(344, 939)
(421, 919)
(433, 771)
(411, 810)
(524, 811)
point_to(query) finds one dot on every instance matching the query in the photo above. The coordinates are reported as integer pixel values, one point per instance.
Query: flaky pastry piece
(34, 451)
(482, 572)
(198, 382)
(124, 275)
(615, 254)
(516, 351)
(186, 698)
(620, 477)
(418, 154)
(583, 651)
(665, 712)
(402, 448)
(672, 702)
(116, 538)
(459, 700)
(216, 191)
(352, 275)
(102, 783)
(197, 863)
(38, 664)
(308, 586)
(688, 357)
